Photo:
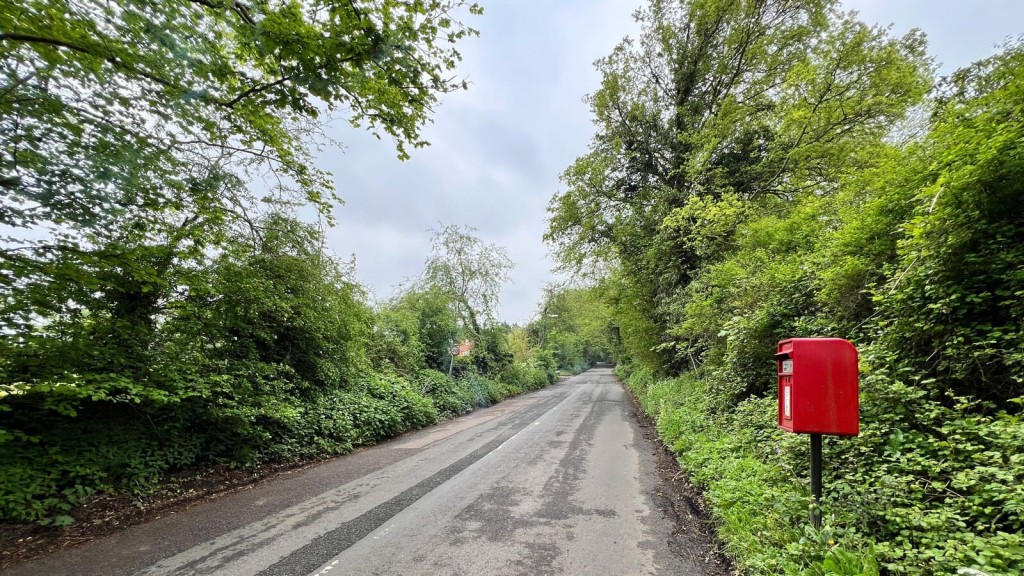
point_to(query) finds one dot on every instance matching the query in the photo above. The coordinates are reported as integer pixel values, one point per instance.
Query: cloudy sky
(498, 148)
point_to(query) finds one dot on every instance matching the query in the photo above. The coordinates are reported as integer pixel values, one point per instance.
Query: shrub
(67, 459)
(522, 377)
(484, 391)
(451, 397)
(932, 484)
(386, 405)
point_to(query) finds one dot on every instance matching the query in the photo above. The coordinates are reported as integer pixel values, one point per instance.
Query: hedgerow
(915, 257)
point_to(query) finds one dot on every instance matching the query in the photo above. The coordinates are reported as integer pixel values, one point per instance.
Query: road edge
(694, 530)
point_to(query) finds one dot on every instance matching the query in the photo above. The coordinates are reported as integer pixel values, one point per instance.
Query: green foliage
(756, 504)
(396, 343)
(927, 488)
(157, 315)
(251, 84)
(574, 329)
(451, 397)
(469, 271)
(490, 350)
(280, 301)
(67, 459)
(954, 295)
(126, 138)
(938, 485)
(484, 391)
(384, 406)
(718, 112)
(524, 377)
(752, 182)
(268, 353)
(437, 325)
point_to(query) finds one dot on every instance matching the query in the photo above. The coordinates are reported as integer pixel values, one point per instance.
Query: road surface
(559, 481)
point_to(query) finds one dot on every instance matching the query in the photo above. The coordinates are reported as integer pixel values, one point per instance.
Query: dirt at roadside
(104, 514)
(694, 536)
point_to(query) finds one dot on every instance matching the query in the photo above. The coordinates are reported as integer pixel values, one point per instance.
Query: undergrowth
(932, 485)
(54, 462)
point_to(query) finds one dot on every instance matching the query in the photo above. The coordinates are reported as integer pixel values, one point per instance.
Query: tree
(415, 330)
(913, 253)
(951, 305)
(99, 96)
(470, 271)
(141, 120)
(279, 300)
(722, 108)
(575, 325)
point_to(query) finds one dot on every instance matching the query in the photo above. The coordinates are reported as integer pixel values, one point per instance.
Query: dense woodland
(765, 169)
(163, 306)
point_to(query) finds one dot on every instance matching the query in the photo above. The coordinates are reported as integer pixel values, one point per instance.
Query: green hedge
(932, 485)
(56, 459)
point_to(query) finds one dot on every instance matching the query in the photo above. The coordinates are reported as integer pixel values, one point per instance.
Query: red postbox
(818, 391)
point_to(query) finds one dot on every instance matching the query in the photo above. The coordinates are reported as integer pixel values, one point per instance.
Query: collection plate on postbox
(818, 386)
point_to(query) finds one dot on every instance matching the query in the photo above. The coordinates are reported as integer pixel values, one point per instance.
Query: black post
(816, 480)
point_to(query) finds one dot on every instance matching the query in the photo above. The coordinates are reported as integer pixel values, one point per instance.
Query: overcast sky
(497, 150)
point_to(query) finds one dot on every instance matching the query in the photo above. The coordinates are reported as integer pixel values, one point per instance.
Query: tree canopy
(469, 270)
(138, 123)
(108, 108)
(722, 100)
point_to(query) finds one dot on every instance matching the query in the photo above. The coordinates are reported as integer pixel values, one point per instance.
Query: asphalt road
(560, 481)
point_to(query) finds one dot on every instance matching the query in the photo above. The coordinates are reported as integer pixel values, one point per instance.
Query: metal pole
(816, 480)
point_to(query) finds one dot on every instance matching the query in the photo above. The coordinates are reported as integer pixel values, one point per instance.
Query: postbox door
(785, 362)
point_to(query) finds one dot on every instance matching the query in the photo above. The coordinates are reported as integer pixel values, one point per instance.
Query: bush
(545, 360)
(386, 405)
(451, 397)
(932, 484)
(318, 428)
(935, 481)
(257, 349)
(523, 377)
(66, 459)
(483, 390)
(741, 461)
